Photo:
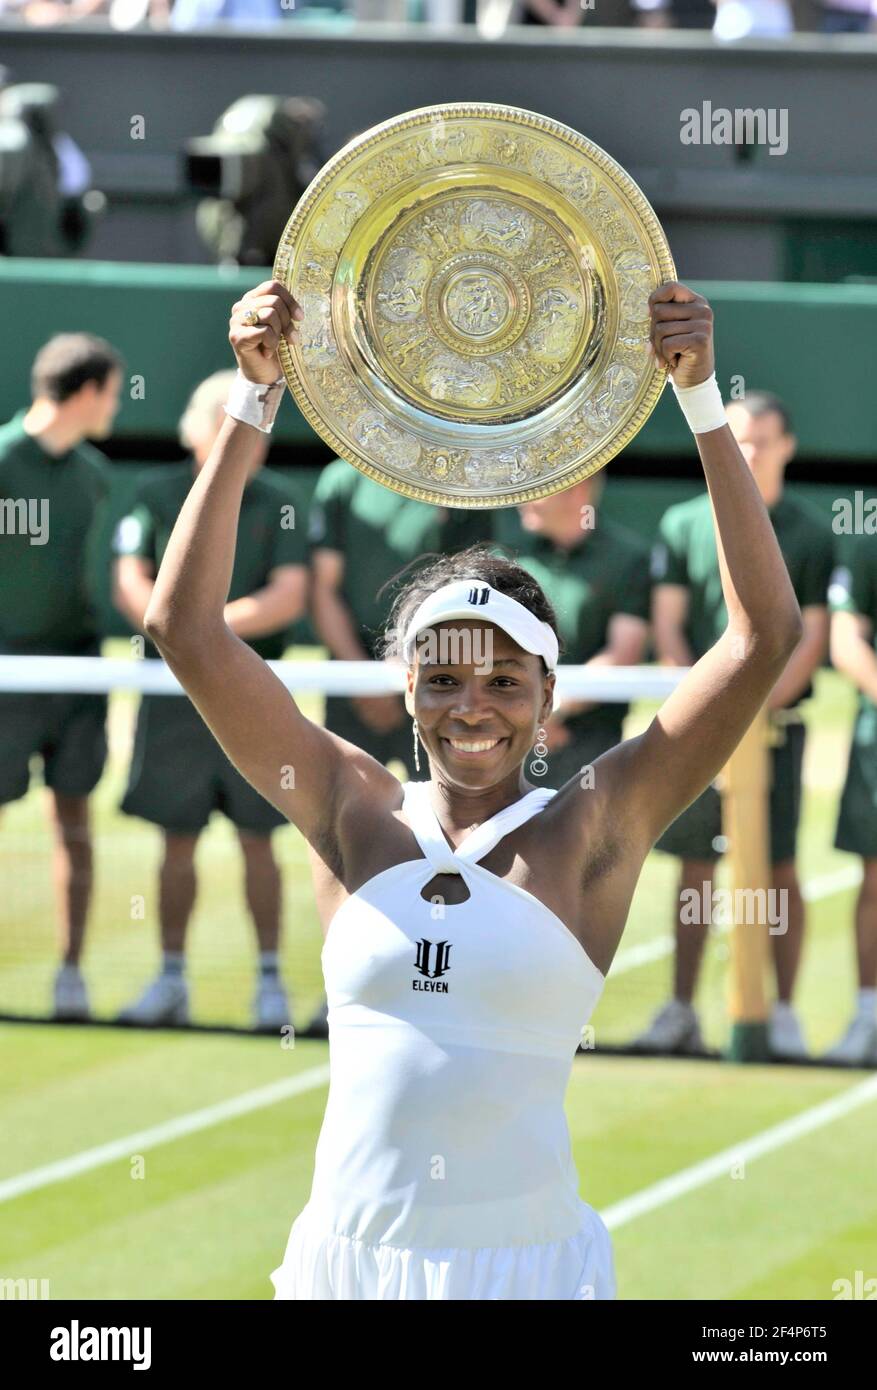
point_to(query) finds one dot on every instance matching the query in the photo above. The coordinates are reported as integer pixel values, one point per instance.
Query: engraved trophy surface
(475, 283)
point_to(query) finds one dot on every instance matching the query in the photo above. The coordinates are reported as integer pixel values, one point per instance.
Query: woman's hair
(479, 561)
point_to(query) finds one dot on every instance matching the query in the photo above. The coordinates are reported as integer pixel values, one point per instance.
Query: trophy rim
(515, 116)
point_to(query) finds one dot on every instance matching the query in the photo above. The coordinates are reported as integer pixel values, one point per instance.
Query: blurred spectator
(122, 14)
(753, 19)
(178, 14)
(853, 599)
(51, 484)
(442, 13)
(564, 14)
(689, 613)
(675, 14)
(179, 774)
(127, 14)
(390, 11)
(596, 574)
(48, 12)
(655, 14)
(197, 14)
(848, 16)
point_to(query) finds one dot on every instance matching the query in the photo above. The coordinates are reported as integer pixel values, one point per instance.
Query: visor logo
(479, 596)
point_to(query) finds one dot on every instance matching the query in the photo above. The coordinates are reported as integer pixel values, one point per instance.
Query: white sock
(783, 1010)
(172, 962)
(268, 963)
(866, 1003)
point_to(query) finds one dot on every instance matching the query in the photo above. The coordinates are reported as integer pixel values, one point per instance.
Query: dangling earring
(539, 766)
(416, 747)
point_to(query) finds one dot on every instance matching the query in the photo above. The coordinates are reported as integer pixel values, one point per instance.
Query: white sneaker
(71, 996)
(784, 1035)
(166, 1000)
(858, 1044)
(674, 1028)
(272, 1006)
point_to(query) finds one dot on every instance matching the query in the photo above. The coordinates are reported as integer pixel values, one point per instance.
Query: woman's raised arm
(293, 762)
(652, 778)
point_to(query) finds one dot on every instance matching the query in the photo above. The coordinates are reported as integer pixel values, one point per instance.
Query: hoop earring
(539, 766)
(416, 746)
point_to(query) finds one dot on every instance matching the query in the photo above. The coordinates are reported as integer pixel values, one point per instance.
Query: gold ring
(251, 318)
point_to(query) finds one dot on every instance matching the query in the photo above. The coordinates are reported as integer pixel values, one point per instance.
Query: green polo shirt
(853, 589)
(605, 573)
(47, 516)
(379, 531)
(686, 554)
(267, 535)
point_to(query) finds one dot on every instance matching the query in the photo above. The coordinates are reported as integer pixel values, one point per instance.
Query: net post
(745, 788)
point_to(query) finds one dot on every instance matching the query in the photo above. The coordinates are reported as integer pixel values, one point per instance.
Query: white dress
(444, 1168)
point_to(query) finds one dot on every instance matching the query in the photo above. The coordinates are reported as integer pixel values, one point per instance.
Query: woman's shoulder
(587, 813)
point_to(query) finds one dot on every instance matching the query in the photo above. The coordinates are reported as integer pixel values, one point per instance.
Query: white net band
(100, 675)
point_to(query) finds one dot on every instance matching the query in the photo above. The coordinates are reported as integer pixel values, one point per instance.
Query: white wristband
(253, 402)
(701, 405)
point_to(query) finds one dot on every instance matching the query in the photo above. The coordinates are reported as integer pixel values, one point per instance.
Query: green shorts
(586, 747)
(693, 834)
(67, 731)
(342, 719)
(857, 818)
(179, 774)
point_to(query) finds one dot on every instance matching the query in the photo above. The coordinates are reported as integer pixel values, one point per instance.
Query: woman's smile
(473, 748)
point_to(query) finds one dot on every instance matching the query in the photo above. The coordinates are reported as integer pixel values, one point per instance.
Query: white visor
(474, 598)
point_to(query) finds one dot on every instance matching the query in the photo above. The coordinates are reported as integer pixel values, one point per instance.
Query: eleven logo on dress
(432, 962)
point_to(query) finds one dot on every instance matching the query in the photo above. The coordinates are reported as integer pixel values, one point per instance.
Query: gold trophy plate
(475, 283)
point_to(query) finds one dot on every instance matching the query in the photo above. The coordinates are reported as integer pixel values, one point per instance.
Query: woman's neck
(463, 808)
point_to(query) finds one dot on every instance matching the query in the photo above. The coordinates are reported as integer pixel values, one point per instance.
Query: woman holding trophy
(471, 918)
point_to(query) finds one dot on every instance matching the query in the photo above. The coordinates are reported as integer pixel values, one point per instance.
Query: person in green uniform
(688, 614)
(853, 602)
(52, 482)
(596, 574)
(361, 535)
(179, 774)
